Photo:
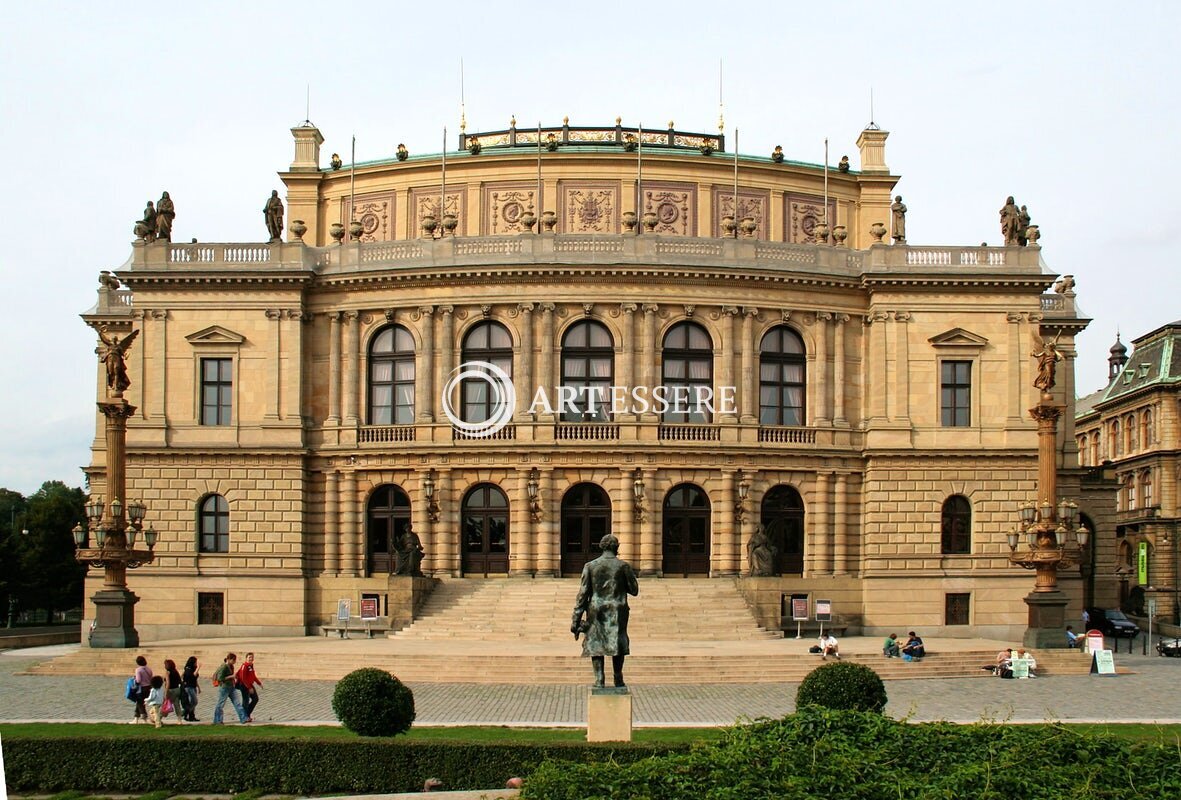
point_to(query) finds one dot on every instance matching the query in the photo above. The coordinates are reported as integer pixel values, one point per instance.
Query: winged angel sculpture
(1048, 356)
(112, 354)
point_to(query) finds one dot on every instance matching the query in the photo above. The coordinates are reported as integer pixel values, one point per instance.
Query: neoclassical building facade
(695, 345)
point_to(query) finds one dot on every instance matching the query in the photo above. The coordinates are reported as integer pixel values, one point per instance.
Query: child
(155, 700)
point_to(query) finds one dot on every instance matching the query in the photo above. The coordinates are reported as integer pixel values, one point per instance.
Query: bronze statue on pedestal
(602, 598)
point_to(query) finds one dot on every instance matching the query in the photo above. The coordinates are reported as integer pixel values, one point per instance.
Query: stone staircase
(511, 631)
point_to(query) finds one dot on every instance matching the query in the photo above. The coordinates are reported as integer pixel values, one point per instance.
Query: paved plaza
(1146, 694)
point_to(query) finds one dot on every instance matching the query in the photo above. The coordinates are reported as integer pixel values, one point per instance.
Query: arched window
(387, 520)
(213, 520)
(1147, 434)
(686, 538)
(956, 526)
(1082, 450)
(781, 377)
(1146, 488)
(1129, 492)
(391, 377)
(1130, 434)
(588, 361)
(1115, 440)
(490, 342)
(1096, 446)
(688, 373)
(485, 530)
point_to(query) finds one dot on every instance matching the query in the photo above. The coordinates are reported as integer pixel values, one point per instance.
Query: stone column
(546, 368)
(292, 382)
(729, 328)
(901, 366)
(521, 552)
(877, 377)
(649, 531)
(155, 399)
(648, 365)
(722, 558)
(352, 369)
(349, 533)
(524, 383)
(629, 546)
(838, 371)
(840, 526)
(546, 528)
(1016, 358)
(274, 356)
(334, 320)
(1069, 442)
(447, 528)
(749, 390)
(446, 345)
(425, 528)
(821, 549)
(331, 522)
(628, 348)
(425, 386)
(822, 417)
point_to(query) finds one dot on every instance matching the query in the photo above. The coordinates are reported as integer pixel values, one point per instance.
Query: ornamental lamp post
(116, 524)
(1053, 540)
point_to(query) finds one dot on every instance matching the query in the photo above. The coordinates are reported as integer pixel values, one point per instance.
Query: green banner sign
(1142, 564)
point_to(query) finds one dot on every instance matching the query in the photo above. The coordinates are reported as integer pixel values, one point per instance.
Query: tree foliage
(37, 564)
(372, 702)
(842, 686)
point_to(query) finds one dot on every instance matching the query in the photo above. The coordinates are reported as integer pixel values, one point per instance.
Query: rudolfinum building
(552, 334)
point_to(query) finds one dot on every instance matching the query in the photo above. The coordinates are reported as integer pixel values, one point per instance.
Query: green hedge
(818, 753)
(283, 766)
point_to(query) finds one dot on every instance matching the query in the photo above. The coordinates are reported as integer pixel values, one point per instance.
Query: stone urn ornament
(298, 228)
(429, 223)
(840, 233)
(649, 219)
(549, 221)
(355, 228)
(1032, 234)
(141, 232)
(877, 231)
(336, 231)
(528, 220)
(450, 223)
(820, 231)
(629, 221)
(748, 226)
(728, 225)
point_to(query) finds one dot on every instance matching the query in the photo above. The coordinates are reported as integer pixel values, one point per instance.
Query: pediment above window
(215, 335)
(958, 337)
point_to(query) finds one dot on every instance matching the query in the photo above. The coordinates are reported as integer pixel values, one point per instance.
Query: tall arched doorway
(782, 517)
(586, 519)
(485, 531)
(387, 516)
(686, 532)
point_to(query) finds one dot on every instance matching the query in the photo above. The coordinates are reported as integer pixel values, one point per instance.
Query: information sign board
(799, 607)
(824, 611)
(1103, 663)
(344, 609)
(368, 608)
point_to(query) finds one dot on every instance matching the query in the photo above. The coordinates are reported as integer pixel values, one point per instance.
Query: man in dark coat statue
(602, 598)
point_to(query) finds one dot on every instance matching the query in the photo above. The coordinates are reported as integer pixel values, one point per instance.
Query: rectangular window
(217, 384)
(211, 608)
(956, 393)
(956, 608)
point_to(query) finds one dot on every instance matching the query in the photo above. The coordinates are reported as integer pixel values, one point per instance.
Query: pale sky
(1070, 107)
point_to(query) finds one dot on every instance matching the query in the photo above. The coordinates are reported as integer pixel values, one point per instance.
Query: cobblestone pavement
(1149, 695)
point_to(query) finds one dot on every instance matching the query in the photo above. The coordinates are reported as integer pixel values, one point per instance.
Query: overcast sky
(1073, 108)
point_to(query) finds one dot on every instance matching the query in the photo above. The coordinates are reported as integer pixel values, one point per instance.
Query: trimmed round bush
(842, 686)
(372, 702)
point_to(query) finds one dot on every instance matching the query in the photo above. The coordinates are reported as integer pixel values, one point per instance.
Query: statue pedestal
(114, 619)
(1047, 621)
(609, 715)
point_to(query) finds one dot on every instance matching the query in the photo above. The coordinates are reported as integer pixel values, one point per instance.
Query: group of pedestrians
(912, 650)
(174, 692)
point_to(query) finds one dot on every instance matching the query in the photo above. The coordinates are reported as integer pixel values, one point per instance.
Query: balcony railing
(386, 433)
(788, 435)
(688, 433)
(585, 431)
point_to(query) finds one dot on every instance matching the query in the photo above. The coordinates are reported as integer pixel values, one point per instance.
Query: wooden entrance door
(586, 519)
(388, 515)
(485, 531)
(782, 516)
(686, 540)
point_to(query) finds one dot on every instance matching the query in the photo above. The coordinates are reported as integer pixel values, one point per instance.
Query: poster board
(1094, 641)
(344, 609)
(368, 608)
(1020, 667)
(799, 607)
(1103, 663)
(824, 611)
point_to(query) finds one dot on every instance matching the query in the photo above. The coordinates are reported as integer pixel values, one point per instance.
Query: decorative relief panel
(588, 207)
(675, 206)
(803, 212)
(751, 203)
(375, 213)
(503, 206)
(425, 201)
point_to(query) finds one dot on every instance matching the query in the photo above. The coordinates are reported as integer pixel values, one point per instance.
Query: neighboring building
(1130, 430)
(870, 400)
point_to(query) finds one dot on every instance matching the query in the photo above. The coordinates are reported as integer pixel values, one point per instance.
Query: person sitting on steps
(829, 647)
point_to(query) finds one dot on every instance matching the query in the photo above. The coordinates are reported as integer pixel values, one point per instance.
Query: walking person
(143, 680)
(224, 680)
(175, 689)
(247, 681)
(191, 689)
(156, 701)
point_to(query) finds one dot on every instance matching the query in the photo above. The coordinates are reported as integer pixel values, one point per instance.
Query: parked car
(1169, 647)
(1112, 622)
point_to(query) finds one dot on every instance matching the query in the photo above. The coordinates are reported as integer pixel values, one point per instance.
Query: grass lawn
(254, 731)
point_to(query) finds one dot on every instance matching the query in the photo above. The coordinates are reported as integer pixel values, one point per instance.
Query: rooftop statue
(113, 354)
(1023, 221)
(898, 220)
(1010, 222)
(149, 223)
(165, 214)
(602, 599)
(273, 213)
(843, 166)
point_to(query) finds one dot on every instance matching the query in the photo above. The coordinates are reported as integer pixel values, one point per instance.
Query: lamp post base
(1047, 621)
(114, 619)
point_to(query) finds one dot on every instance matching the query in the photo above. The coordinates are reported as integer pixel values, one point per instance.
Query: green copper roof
(1155, 361)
